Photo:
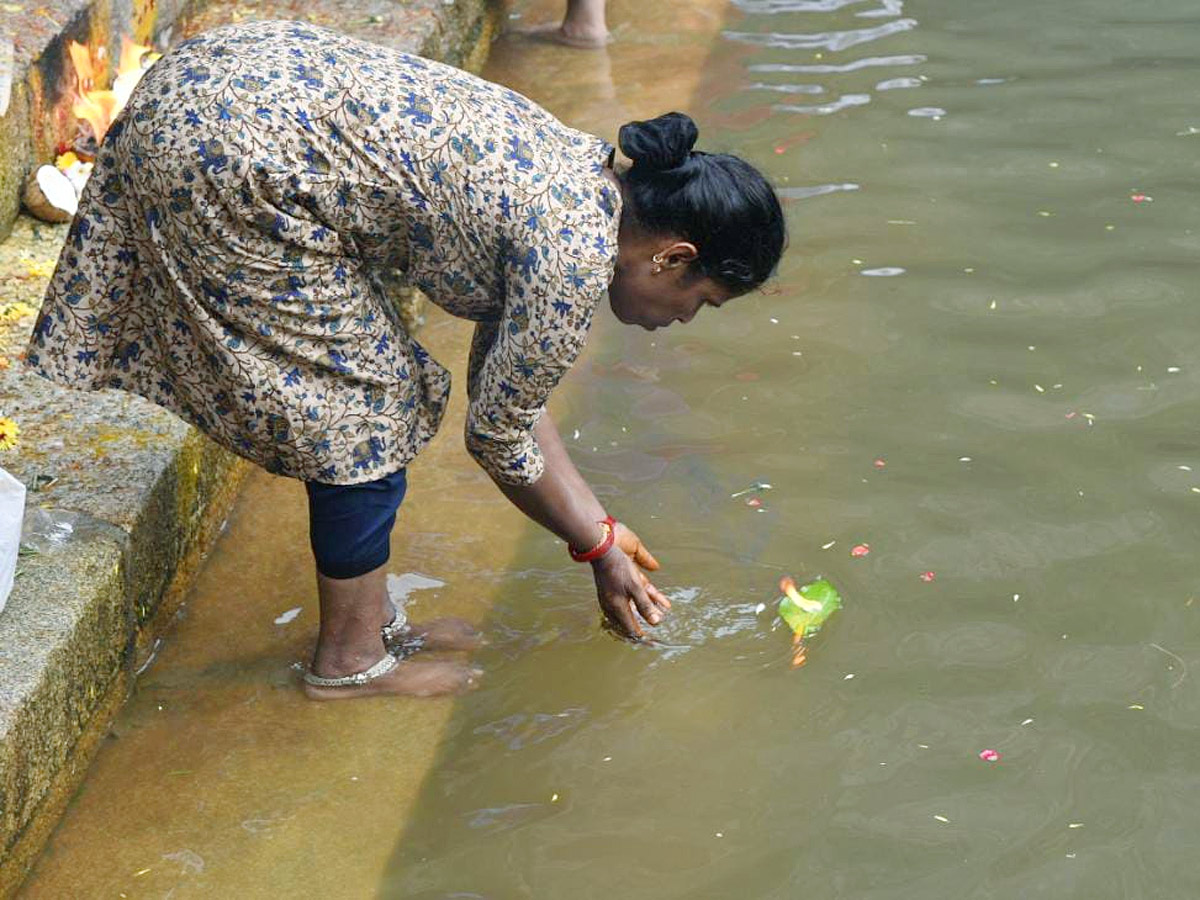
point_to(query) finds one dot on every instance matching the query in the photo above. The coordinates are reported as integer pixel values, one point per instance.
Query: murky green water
(980, 360)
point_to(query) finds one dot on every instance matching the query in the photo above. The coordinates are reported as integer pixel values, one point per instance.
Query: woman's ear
(680, 253)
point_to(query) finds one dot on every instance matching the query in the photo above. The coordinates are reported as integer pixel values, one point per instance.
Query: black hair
(718, 202)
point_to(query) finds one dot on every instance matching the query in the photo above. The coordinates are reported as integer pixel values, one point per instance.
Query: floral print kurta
(228, 256)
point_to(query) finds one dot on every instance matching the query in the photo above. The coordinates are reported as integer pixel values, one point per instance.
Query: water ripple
(522, 730)
(825, 109)
(772, 7)
(889, 8)
(993, 553)
(816, 190)
(769, 7)
(831, 68)
(826, 40)
(788, 88)
(892, 84)
(988, 645)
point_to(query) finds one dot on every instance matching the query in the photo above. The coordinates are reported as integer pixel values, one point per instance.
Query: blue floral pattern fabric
(228, 258)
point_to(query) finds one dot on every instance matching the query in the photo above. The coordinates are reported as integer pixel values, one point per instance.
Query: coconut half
(50, 196)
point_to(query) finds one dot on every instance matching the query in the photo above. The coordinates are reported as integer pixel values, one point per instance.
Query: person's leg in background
(584, 24)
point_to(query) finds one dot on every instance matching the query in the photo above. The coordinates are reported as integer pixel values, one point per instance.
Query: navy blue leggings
(349, 525)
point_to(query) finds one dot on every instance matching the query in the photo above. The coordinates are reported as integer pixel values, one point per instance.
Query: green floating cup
(807, 608)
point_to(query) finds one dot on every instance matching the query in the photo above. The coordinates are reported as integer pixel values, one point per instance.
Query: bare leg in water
(583, 27)
(352, 612)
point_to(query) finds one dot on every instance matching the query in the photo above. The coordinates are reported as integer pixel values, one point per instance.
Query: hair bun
(660, 143)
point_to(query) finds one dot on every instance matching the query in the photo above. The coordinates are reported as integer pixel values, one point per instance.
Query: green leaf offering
(807, 608)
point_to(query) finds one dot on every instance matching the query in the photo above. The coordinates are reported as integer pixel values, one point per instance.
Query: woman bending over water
(226, 263)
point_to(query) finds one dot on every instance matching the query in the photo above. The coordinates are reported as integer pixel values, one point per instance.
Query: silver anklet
(378, 670)
(394, 631)
(397, 634)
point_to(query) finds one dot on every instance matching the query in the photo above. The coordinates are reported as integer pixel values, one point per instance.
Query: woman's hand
(635, 549)
(562, 502)
(624, 591)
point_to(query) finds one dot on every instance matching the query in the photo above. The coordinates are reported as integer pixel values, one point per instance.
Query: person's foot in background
(583, 27)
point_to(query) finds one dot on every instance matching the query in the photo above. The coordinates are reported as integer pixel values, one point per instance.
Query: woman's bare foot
(349, 643)
(448, 633)
(580, 38)
(408, 678)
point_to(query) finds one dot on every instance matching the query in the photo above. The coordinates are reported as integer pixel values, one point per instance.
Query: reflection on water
(1022, 365)
(774, 14)
(828, 40)
(1004, 412)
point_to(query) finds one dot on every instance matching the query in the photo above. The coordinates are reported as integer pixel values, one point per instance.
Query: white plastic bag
(12, 515)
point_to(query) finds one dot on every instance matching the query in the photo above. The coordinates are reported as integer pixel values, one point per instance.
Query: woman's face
(656, 289)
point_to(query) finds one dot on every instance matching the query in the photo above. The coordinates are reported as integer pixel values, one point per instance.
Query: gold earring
(658, 261)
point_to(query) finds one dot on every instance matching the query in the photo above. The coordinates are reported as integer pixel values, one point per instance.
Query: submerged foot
(569, 36)
(447, 633)
(407, 678)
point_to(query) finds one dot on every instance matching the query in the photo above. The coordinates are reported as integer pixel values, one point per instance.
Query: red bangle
(609, 524)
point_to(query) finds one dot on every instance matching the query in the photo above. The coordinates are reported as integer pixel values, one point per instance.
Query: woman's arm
(562, 502)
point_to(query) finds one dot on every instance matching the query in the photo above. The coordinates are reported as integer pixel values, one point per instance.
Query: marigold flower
(8, 433)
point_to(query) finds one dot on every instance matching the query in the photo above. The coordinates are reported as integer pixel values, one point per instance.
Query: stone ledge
(146, 493)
